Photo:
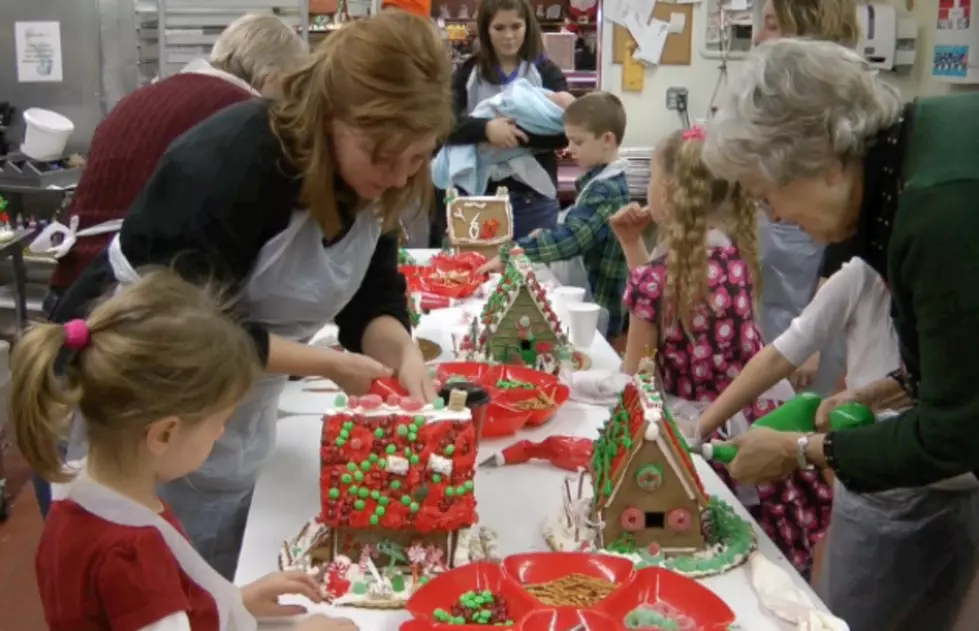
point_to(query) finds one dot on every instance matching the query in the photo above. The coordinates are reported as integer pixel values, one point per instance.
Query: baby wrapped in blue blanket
(471, 167)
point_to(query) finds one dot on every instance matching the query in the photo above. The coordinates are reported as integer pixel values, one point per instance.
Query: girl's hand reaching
(323, 623)
(353, 372)
(629, 222)
(261, 598)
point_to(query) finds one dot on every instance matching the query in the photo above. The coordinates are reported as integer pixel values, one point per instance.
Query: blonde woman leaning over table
(295, 203)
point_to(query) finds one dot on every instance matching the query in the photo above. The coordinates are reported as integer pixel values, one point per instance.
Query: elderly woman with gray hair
(818, 135)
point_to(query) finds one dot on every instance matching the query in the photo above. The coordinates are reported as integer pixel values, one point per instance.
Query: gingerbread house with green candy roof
(648, 502)
(397, 498)
(517, 323)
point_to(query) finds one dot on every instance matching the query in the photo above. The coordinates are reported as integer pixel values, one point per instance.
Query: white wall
(649, 119)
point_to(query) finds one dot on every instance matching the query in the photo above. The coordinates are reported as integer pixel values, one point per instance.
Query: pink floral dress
(794, 513)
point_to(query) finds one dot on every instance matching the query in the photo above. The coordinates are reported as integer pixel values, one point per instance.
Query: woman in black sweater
(294, 205)
(510, 47)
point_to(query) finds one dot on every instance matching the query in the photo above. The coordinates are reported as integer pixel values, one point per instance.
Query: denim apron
(531, 211)
(295, 287)
(790, 262)
(119, 509)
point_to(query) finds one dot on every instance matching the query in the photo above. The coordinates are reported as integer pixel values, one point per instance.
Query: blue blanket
(468, 167)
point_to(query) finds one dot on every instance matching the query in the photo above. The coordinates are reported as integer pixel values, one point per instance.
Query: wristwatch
(801, 445)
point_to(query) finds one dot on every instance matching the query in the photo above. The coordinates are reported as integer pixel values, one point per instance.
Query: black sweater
(219, 193)
(469, 130)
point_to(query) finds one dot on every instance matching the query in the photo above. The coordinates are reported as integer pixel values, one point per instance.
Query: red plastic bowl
(559, 393)
(701, 608)
(567, 619)
(443, 591)
(543, 567)
(415, 625)
(527, 375)
(471, 260)
(501, 418)
(469, 371)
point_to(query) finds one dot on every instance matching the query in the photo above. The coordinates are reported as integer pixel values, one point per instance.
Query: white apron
(119, 509)
(295, 287)
(572, 272)
(45, 242)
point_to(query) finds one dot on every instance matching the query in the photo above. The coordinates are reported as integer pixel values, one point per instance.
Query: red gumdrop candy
(393, 400)
(411, 404)
(371, 401)
(353, 402)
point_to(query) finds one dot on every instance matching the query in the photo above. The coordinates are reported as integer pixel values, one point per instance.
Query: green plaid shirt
(585, 233)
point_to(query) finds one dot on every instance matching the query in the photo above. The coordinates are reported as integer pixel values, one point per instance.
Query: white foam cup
(583, 321)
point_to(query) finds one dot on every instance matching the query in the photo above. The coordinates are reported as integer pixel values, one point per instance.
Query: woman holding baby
(510, 48)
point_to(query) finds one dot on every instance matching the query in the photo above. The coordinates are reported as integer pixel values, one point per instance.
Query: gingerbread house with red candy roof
(398, 503)
(647, 493)
(517, 324)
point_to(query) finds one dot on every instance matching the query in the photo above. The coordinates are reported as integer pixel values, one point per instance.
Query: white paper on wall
(651, 40)
(38, 51)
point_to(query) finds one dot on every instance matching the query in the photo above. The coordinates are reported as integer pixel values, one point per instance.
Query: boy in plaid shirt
(594, 125)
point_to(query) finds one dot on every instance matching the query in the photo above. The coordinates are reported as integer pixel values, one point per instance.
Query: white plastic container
(47, 134)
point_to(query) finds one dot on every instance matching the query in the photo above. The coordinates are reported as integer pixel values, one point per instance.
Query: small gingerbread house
(646, 489)
(517, 323)
(479, 223)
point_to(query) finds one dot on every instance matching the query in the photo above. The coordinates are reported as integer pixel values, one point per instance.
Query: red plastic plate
(468, 371)
(697, 608)
(567, 619)
(542, 567)
(472, 260)
(444, 591)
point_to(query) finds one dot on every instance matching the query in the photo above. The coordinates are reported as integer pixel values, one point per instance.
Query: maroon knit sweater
(125, 149)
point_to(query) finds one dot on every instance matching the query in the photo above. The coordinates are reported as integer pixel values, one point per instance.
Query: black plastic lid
(476, 395)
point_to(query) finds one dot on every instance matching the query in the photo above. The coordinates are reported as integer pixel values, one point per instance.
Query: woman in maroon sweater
(245, 61)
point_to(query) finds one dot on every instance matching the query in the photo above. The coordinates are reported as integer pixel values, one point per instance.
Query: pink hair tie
(694, 133)
(77, 335)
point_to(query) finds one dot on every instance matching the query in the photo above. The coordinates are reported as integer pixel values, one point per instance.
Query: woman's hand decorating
(629, 222)
(764, 455)
(261, 598)
(413, 375)
(503, 133)
(355, 373)
(830, 403)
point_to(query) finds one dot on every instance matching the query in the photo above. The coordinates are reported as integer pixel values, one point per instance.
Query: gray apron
(119, 509)
(295, 287)
(901, 560)
(572, 273)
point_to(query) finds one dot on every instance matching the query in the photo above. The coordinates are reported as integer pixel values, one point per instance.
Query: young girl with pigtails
(155, 371)
(694, 303)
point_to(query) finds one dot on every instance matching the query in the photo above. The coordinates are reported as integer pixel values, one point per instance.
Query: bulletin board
(678, 49)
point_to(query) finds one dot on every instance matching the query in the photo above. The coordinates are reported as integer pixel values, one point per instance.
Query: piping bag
(796, 415)
(564, 452)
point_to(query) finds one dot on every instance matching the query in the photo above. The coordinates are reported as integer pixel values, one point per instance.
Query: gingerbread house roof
(637, 420)
(517, 277)
(397, 464)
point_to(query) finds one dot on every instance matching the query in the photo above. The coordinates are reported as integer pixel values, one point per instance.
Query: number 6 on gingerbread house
(479, 224)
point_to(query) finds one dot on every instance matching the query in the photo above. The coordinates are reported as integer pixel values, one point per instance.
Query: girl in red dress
(694, 302)
(155, 371)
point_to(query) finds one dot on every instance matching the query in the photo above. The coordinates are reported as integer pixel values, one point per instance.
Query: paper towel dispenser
(887, 39)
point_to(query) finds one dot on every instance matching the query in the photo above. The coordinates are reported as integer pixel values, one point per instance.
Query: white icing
(652, 432)
(438, 464)
(429, 412)
(6, 233)
(397, 465)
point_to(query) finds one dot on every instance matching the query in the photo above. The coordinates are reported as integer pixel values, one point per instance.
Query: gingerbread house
(517, 324)
(397, 499)
(647, 493)
(479, 223)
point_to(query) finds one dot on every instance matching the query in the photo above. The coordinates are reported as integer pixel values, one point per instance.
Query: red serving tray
(697, 608)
